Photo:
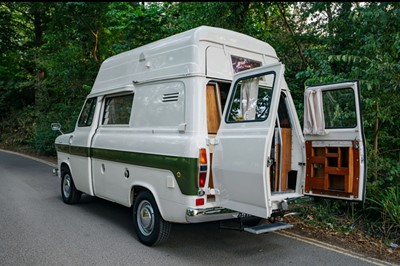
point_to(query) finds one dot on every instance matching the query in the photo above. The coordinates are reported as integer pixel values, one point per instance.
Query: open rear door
(335, 148)
(243, 142)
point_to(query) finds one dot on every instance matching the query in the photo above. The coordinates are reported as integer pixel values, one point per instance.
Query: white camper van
(201, 127)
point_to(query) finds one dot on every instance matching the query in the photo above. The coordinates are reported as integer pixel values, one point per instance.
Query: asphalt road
(37, 228)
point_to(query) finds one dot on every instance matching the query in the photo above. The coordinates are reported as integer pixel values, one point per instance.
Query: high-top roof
(177, 55)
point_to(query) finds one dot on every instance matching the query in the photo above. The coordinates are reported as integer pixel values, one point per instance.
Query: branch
(299, 49)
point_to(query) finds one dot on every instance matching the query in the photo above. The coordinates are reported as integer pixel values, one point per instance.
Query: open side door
(243, 143)
(335, 143)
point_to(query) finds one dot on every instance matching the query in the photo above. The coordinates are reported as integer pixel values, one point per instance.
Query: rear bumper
(209, 214)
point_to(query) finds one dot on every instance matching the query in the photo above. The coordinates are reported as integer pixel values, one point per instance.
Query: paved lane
(37, 228)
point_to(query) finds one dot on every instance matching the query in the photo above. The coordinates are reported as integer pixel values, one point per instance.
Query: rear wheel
(70, 194)
(150, 227)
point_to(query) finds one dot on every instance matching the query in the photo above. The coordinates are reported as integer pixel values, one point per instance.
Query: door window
(252, 99)
(339, 108)
(86, 117)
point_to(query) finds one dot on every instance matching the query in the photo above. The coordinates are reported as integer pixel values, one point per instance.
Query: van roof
(183, 54)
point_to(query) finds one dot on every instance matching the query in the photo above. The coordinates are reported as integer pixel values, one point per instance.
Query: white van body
(201, 126)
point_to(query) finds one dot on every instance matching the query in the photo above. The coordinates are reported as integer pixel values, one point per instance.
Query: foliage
(331, 215)
(383, 208)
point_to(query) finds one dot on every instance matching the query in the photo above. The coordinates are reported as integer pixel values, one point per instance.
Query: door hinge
(212, 141)
(212, 191)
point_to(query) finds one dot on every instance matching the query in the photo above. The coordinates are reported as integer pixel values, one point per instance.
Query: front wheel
(150, 227)
(70, 194)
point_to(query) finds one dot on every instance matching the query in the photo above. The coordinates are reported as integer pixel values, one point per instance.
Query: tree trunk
(376, 147)
(96, 44)
(38, 29)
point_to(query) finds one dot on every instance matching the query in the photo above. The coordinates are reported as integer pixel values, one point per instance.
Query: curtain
(248, 98)
(314, 122)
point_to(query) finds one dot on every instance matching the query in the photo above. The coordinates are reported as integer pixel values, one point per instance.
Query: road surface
(37, 228)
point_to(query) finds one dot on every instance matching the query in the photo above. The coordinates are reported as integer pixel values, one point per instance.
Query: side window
(117, 110)
(86, 117)
(251, 99)
(339, 108)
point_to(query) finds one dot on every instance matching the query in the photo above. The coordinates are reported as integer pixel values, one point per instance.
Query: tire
(151, 229)
(69, 193)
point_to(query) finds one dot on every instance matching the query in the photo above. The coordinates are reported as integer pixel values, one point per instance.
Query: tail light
(202, 167)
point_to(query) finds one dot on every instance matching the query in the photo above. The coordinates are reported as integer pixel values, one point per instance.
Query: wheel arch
(139, 187)
(64, 167)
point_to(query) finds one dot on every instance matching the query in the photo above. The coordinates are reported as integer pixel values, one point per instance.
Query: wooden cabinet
(332, 170)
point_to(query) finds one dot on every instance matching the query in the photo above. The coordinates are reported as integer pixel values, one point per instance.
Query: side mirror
(56, 127)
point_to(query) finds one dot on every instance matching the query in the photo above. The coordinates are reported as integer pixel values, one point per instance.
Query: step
(266, 228)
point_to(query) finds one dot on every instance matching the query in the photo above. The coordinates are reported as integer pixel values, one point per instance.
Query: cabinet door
(335, 148)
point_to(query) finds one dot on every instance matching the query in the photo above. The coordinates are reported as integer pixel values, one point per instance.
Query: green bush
(383, 211)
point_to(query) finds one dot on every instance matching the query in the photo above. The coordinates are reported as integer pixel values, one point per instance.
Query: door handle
(70, 139)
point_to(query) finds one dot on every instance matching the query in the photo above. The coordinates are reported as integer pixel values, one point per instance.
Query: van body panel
(181, 168)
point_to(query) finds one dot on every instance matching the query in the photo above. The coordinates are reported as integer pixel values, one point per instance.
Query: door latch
(270, 162)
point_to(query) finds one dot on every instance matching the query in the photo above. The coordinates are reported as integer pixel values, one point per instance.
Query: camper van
(201, 127)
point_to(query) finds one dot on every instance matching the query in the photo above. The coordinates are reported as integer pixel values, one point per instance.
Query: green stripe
(80, 151)
(62, 148)
(74, 150)
(184, 169)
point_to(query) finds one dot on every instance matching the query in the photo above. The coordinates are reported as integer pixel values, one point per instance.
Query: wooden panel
(286, 156)
(356, 169)
(213, 117)
(340, 176)
(336, 170)
(211, 179)
(277, 162)
(308, 166)
(317, 159)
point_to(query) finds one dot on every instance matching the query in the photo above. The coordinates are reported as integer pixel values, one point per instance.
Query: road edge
(335, 248)
(30, 157)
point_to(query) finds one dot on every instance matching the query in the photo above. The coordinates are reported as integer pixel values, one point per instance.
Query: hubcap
(67, 185)
(145, 218)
